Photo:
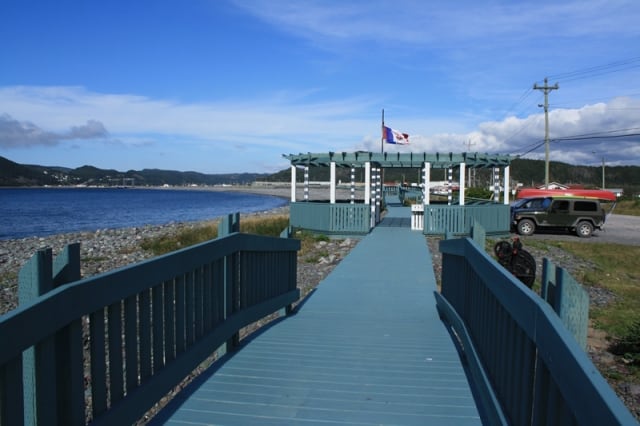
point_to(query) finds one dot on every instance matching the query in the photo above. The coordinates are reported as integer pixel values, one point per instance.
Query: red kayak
(599, 194)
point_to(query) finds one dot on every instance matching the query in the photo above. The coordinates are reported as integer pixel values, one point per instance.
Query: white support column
(426, 200)
(306, 183)
(374, 218)
(507, 184)
(293, 184)
(332, 184)
(367, 182)
(353, 185)
(496, 184)
(378, 184)
(462, 179)
(450, 186)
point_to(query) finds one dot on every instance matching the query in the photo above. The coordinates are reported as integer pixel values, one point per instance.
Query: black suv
(579, 215)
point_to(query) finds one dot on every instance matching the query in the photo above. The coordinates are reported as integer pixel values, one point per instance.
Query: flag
(394, 136)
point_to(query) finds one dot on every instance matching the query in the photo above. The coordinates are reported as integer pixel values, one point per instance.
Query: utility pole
(472, 172)
(546, 89)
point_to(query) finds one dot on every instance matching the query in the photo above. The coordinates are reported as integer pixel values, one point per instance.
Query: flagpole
(382, 137)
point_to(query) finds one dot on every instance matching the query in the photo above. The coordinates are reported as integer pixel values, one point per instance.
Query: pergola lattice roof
(397, 159)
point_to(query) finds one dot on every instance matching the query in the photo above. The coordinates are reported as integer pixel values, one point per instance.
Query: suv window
(560, 205)
(585, 206)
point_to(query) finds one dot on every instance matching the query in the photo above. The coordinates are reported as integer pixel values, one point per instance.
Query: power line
(598, 70)
(593, 137)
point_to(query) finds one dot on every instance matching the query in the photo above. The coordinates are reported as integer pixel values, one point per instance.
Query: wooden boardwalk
(367, 347)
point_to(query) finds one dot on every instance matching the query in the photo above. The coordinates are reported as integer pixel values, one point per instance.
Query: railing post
(35, 279)
(478, 234)
(229, 225)
(46, 370)
(68, 345)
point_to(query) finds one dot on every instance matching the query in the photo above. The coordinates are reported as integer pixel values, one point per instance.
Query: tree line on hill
(527, 172)
(14, 174)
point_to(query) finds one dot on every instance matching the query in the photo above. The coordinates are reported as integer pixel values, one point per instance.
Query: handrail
(537, 370)
(165, 316)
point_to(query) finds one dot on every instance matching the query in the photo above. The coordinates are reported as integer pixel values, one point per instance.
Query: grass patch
(617, 271)
(308, 241)
(184, 238)
(628, 207)
(270, 226)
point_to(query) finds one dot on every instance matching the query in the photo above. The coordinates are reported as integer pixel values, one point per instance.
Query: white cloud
(14, 133)
(49, 115)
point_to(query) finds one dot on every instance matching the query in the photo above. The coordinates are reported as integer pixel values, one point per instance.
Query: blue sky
(220, 86)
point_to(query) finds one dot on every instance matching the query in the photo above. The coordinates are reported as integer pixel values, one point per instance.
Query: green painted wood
(66, 265)
(144, 337)
(35, 279)
(568, 298)
(70, 374)
(116, 362)
(131, 343)
(159, 384)
(97, 350)
(560, 382)
(12, 410)
(457, 220)
(157, 320)
(331, 219)
(135, 320)
(438, 160)
(190, 309)
(367, 347)
(181, 327)
(169, 321)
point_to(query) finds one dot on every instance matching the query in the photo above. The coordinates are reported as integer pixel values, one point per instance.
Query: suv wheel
(584, 229)
(526, 227)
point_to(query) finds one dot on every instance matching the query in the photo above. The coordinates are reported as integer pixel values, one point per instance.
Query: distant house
(553, 185)
(618, 191)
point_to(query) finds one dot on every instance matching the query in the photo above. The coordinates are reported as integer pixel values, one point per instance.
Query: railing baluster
(116, 380)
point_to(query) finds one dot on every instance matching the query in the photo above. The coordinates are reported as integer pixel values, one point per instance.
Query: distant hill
(528, 172)
(14, 174)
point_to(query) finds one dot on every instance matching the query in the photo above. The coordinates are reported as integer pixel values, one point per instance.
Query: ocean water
(27, 212)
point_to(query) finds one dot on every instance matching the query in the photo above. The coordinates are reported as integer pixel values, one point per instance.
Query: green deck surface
(366, 348)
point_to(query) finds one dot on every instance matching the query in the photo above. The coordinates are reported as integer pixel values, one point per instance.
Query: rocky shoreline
(100, 251)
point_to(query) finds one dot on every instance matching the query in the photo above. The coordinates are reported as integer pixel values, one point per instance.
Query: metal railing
(528, 366)
(107, 348)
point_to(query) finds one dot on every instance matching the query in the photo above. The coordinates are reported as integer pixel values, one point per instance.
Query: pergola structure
(373, 164)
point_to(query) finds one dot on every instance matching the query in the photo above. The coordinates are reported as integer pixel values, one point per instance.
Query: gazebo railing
(457, 220)
(331, 219)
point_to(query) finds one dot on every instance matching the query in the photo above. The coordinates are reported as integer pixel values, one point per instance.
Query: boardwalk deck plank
(366, 348)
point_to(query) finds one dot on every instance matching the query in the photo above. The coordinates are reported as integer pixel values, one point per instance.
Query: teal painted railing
(331, 219)
(568, 298)
(107, 348)
(390, 189)
(410, 194)
(457, 220)
(528, 366)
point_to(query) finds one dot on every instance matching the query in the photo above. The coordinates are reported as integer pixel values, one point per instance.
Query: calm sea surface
(27, 212)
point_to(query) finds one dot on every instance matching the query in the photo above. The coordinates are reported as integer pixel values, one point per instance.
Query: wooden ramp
(366, 348)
